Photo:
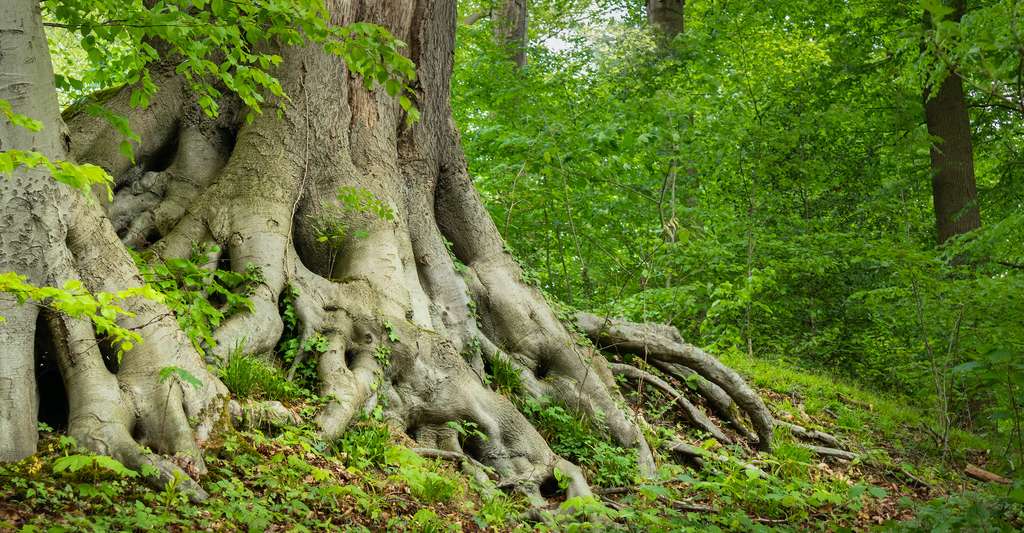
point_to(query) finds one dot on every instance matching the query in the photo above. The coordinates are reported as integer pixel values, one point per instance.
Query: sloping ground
(288, 480)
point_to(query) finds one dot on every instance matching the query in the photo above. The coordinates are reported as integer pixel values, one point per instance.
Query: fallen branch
(981, 474)
(916, 480)
(832, 452)
(811, 434)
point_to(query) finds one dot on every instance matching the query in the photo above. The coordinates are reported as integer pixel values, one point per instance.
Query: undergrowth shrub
(291, 344)
(365, 444)
(201, 298)
(504, 375)
(606, 464)
(969, 511)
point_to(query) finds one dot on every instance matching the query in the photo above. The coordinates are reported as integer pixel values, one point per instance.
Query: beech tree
(353, 198)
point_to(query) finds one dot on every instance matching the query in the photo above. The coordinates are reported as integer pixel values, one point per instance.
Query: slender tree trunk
(510, 29)
(954, 192)
(668, 16)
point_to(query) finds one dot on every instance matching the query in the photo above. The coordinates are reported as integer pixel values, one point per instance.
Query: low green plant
(427, 521)
(201, 298)
(291, 345)
(428, 486)
(467, 430)
(606, 464)
(498, 510)
(981, 511)
(92, 465)
(365, 444)
(504, 375)
(249, 377)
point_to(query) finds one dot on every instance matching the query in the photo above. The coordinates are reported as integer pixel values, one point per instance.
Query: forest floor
(285, 479)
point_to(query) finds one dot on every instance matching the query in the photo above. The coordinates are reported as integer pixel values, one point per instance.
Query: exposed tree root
(804, 433)
(684, 506)
(663, 343)
(470, 466)
(825, 451)
(690, 411)
(716, 399)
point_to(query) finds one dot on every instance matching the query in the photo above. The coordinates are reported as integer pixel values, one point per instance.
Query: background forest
(767, 177)
(762, 181)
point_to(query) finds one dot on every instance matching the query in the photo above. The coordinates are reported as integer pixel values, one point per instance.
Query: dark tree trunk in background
(510, 29)
(954, 192)
(667, 15)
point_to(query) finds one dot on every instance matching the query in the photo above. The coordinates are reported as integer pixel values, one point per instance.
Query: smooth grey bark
(33, 225)
(662, 343)
(52, 235)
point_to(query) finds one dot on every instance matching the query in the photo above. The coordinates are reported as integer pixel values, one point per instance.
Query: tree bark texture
(667, 16)
(954, 191)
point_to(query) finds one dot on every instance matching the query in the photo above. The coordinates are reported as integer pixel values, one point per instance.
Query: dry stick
(692, 412)
(831, 452)
(699, 455)
(575, 237)
(920, 482)
(981, 474)
(512, 201)
(670, 226)
(805, 433)
(939, 380)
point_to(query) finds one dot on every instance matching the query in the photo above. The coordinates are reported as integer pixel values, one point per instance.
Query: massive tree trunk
(30, 231)
(410, 324)
(954, 192)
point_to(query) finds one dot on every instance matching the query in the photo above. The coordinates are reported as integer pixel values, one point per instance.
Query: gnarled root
(692, 413)
(159, 396)
(663, 344)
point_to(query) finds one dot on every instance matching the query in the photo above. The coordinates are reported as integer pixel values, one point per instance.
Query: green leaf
(169, 372)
